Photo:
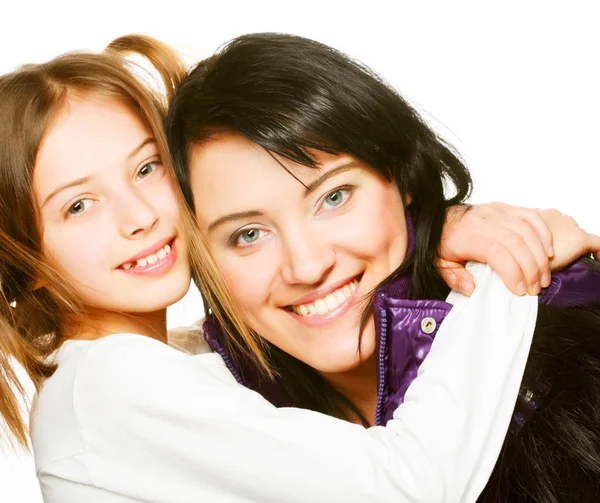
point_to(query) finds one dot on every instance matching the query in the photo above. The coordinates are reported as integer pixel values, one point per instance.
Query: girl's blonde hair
(33, 317)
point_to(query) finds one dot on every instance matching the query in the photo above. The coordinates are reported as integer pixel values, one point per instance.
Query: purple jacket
(405, 330)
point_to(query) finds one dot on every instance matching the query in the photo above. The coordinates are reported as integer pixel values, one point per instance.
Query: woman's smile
(302, 249)
(326, 308)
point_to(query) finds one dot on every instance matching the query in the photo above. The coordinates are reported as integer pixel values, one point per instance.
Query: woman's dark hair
(288, 95)
(291, 95)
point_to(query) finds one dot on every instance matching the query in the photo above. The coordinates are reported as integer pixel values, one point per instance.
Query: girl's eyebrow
(137, 149)
(60, 188)
(81, 181)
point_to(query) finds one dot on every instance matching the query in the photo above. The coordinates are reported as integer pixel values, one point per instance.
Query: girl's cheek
(165, 193)
(80, 251)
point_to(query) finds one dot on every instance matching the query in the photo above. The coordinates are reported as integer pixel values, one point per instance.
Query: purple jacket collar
(405, 330)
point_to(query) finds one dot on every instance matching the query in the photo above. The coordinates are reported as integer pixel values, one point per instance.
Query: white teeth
(331, 301)
(320, 306)
(328, 303)
(150, 259)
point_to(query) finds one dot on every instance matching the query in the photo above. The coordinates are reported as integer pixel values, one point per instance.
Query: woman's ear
(407, 199)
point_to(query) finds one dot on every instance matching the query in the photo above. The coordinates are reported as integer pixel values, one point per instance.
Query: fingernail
(466, 288)
(546, 280)
(535, 289)
(551, 251)
(521, 288)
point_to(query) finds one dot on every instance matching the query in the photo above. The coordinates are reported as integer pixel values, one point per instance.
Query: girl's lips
(151, 250)
(157, 268)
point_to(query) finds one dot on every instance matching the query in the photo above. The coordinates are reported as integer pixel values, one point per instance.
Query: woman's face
(109, 216)
(298, 249)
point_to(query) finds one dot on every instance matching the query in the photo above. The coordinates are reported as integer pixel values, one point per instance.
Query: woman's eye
(248, 236)
(78, 207)
(146, 170)
(335, 198)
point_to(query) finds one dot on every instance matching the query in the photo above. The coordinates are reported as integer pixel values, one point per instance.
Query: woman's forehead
(232, 174)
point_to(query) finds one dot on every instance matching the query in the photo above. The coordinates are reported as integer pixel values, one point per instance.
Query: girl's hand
(570, 240)
(522, 245)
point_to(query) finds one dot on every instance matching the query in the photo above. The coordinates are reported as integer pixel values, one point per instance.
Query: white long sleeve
(126, 418)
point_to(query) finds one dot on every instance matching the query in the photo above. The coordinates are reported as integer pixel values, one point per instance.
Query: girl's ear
(407, 199)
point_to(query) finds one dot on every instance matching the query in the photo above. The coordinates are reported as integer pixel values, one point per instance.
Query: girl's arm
(160, 425)
(522, 245)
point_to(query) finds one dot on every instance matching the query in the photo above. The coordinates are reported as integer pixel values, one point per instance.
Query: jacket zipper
(381, 320)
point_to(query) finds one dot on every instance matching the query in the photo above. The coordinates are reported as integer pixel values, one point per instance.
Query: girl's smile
(153, 261)
(109, 215)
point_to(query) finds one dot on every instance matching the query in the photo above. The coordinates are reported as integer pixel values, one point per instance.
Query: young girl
(336, 195)
(93, 249)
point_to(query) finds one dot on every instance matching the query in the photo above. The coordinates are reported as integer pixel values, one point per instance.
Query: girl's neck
(359, 385)
(96, 324)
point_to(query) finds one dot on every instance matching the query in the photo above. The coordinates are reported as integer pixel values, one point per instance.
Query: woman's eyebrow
(311, 187)
(234, 216)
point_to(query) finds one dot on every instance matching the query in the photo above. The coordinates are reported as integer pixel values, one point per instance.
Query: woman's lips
(327, 309)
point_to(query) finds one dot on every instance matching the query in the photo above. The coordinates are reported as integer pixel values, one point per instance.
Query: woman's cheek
(249, 278)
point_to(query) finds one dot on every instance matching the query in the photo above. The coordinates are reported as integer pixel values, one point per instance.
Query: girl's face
(108, 213)
(298, 254)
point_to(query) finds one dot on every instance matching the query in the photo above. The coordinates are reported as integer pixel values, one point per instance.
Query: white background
(515, 85)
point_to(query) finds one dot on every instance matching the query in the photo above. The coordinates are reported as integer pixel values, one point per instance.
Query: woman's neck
(95, 324)
(359, 385)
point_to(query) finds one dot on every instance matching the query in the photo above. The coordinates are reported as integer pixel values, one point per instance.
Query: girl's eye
(146, 170)
(335, 198)
(248, 236)
(78, 207)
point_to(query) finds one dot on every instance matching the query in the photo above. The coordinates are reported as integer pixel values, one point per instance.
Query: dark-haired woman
(322, 195)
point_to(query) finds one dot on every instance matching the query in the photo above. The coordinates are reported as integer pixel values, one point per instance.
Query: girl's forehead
(87, 136)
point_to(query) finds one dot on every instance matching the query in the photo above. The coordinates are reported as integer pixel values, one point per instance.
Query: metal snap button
(528, 395)
(428, 325)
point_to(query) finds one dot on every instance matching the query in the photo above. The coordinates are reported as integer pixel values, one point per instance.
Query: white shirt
(127, 418)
